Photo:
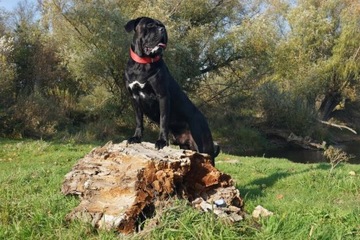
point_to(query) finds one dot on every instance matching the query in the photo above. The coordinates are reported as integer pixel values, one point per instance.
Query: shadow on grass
(325, 166)
(256, 188)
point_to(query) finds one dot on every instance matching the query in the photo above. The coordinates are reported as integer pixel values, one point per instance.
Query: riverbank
(282, 145)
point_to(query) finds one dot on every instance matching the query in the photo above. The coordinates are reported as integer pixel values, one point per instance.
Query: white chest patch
(141, 85)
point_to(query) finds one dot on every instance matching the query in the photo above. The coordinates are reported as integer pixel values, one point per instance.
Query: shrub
(285, 110)
(336, 156)
(35, 116)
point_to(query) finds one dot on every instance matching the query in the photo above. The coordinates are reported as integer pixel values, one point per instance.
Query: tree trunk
(120, 184)
(328, 105)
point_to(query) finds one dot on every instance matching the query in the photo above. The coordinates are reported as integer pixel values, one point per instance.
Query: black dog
(156, 94)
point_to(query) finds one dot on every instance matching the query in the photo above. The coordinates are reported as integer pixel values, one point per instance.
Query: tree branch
(338, 126)
(223, 64)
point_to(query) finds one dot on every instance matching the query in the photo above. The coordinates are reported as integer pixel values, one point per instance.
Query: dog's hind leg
(186, 141)
(202, 136)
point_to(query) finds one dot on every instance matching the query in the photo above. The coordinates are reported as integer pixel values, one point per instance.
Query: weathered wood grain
(119, 184)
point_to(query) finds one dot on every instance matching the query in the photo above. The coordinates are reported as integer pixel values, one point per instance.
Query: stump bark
(120, 184)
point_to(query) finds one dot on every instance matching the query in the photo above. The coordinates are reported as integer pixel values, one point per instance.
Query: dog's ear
(131, 25)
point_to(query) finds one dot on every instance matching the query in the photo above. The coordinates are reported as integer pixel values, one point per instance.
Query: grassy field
(308, 202)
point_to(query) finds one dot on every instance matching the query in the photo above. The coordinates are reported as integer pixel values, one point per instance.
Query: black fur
(156, 94)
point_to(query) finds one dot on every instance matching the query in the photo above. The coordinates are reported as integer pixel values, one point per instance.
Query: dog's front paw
(159, 144)
(134, 139)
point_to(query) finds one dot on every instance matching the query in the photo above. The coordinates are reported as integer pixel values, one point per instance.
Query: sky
(9, 5)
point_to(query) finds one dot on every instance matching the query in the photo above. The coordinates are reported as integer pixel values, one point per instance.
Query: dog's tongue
(162, 45)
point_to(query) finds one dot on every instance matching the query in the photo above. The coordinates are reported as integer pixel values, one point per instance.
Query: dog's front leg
(164, 104)
(136, 138)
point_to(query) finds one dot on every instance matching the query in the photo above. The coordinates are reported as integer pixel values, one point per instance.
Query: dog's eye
(150, 25)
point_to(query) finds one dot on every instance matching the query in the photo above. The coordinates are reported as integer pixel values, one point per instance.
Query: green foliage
(311, 60)
(35, 116)
(283, 110)
(232, 129)
(8, 73)
(98, 45)
(280, 62)
(94, 41)
(7, 69)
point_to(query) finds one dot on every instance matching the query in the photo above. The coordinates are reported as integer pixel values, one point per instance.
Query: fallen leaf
(279, 196)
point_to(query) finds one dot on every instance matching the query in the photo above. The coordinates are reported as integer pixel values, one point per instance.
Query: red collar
(143, 60)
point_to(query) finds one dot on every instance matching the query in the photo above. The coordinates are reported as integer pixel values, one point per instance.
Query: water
(352, 148)
(312, 156)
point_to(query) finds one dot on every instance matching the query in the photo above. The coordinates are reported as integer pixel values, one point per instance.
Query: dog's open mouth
(155, 49)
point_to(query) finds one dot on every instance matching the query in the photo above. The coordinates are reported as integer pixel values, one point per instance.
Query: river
(311, 156)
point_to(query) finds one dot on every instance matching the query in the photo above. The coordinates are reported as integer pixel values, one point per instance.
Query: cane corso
(156, 94)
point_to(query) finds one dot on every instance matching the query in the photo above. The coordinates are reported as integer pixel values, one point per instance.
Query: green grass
(308, 202)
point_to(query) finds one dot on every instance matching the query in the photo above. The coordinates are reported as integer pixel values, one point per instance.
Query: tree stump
(118, 184)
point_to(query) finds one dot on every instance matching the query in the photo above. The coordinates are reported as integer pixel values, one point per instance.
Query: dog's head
(150, 37)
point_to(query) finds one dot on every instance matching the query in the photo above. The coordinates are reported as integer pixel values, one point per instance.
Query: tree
(286, 62)
(318, 59)
(313, 65)
(37, 90)
(97, 44)
(7, 69)
(93, 42)
(342, 69)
